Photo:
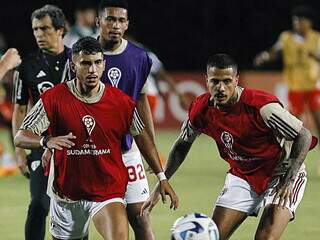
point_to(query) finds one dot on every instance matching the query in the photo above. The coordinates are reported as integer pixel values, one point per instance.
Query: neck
(230, 103)
(109, 46)
(87, 91)
(56, 50)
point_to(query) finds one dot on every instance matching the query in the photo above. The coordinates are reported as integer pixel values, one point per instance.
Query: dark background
(183, 33)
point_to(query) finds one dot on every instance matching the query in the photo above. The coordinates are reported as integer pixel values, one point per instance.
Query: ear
(97, 22)
(237, 79)
(127, 25)
(207, 83)
(73, 66)
(104, 65)
(61, 31)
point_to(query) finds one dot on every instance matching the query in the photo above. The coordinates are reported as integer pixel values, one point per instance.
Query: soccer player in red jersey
(263, 143)
(86, 121)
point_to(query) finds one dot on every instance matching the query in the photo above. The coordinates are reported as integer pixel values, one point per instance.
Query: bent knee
(138, 221)
(39, 205)
(119, 234)
(265, 235)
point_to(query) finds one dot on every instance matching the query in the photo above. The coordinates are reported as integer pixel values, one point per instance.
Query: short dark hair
(56, 14)
(88, 45)
(222, 61)
(304, 12)
(112, 3)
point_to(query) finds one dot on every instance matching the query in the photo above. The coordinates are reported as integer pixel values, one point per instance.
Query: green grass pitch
(197, 183)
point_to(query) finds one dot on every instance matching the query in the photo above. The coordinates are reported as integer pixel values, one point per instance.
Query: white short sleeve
(137, 124)
(281, 120)
(36, 120)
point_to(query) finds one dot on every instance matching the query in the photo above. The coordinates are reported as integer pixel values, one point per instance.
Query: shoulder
(57, 91)
(28, 65)
(198, 105)
(137, 50)
(30, 59)
(68, 51)
(119, 95)
(257, 98)
(285, 35)
(315, 34)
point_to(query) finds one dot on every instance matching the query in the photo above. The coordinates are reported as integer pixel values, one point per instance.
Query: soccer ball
(194, 226)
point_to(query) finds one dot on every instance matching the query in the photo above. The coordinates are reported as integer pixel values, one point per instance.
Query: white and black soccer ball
(194, 226)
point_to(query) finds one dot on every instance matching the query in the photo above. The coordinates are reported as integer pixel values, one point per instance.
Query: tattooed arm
(299, 152)
(176, 157)
(290, 129)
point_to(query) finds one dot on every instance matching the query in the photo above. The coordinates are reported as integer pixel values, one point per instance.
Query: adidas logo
(145, 191)
(41, 74)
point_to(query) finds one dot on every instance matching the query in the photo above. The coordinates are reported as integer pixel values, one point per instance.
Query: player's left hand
(153, 199)
(166, 189)
(162, 189)
(284, 191)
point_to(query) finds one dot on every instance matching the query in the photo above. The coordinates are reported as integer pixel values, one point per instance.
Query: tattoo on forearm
(299, 151)
(176, 157)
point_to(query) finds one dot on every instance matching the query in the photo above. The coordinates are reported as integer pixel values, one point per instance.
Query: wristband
(41, 141)
(44, 141)
(161, 176)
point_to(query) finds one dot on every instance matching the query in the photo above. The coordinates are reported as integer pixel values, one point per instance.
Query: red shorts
(298, 101)
(152, 99)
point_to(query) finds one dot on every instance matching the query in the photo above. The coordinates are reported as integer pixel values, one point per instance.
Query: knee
(120, 235)
(140, 222)
(264, 235)
(39, 206)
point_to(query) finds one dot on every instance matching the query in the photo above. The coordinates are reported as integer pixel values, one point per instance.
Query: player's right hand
(22, 162)
(61, 142)
(11, 58)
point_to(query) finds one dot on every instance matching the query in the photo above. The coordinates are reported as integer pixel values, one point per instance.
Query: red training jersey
(93, 169)
(242, 136)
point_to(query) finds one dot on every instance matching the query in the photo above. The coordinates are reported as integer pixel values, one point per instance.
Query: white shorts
(72, 220)
(237, 194)
(137, 188)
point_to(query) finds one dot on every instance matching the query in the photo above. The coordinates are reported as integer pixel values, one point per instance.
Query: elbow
(17, 141)
(306, 135)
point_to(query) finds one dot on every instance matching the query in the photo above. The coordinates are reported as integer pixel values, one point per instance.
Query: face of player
(88, 69)
(48, 38)
(222, 84)
(113, 23)
(301, 25)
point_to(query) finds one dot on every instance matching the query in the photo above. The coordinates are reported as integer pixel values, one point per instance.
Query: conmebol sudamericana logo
(89, 123)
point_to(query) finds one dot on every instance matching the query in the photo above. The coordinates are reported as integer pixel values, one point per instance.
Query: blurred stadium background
(183, 33)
